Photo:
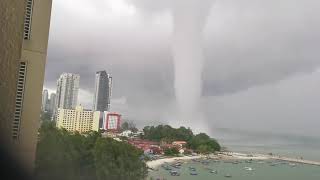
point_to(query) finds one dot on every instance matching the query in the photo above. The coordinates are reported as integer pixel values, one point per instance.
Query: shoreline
(229, 156)
(268, 157)
(156, 163)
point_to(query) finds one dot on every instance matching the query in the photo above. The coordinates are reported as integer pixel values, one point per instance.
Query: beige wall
(11, 36)
(95, 122)
(34, 53)
(40, 27)
(76, 119)
(14, 49)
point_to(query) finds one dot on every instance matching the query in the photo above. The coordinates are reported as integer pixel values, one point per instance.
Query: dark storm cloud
(248, 44)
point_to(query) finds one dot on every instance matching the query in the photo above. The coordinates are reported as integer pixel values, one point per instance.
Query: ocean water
(262, 171)
(290, 145)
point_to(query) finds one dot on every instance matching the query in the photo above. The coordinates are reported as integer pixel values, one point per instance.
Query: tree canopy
(201, 142)
(128, 125)
(66, 156)
(166, 132)
(171, 151)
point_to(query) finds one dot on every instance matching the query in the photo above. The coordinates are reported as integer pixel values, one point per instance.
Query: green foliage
(116, 160)
(167, 133)
(125, 126)
(171, 151)
(204, 149)
(129, 126)
(45, 116)
(187, 152)
(201, 142)
(67, 156)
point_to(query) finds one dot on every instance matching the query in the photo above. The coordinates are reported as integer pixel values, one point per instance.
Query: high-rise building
(24, 39)
(102, 93)
(81, 120)
(67, 91)
(111, 121)
(45, 99)
(52, 103)
(78, 119)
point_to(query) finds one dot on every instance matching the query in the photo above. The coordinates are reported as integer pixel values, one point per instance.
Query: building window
(27, 20)
(19, 100)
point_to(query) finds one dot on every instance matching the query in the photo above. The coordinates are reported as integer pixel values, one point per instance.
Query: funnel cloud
(189, 18)
(261, 64)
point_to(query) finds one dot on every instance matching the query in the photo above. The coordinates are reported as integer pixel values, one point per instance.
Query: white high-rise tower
(67, 91)
(45, 99)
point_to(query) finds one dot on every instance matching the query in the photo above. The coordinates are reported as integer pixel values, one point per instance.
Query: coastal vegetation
(129, 125)
(200, 143)
(66, 156)
(171, 151)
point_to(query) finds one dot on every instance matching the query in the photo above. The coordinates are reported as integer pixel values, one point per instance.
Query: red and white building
(111, 121)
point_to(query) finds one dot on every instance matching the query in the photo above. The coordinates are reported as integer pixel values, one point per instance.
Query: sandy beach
(156, 163)
(229, 156)
(240, 156)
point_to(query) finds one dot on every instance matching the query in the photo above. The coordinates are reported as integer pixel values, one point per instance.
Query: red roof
(179, 142)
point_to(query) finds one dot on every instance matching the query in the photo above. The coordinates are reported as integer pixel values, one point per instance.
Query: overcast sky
(262, 67)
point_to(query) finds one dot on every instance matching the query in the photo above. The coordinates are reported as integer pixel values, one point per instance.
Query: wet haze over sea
(284, 144)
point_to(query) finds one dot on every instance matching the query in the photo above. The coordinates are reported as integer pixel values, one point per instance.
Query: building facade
(81, 120)
(45, 100)
(102, 93)
(25, 32)
(52, 103)
(97, 120)
(77, 119)
(111, 121)
(67, 91)
(11, 38)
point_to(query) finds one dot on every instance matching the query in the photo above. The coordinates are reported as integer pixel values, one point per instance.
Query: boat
(248, 168)
(193, 173)
(214, 172)
(228, 175)
(292, 164)
(174, 173)
(166, 167)
(205, 162)
(192, 169)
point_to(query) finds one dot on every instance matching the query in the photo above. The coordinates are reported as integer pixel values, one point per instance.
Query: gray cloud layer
(261, 59)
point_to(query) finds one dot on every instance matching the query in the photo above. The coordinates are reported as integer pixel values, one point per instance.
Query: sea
(261, 170)
(282, 144)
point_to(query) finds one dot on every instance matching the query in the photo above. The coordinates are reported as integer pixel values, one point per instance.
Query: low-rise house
(137, 134)
(179, 144)
(126, 133)
(181, 151)
(145, 145)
